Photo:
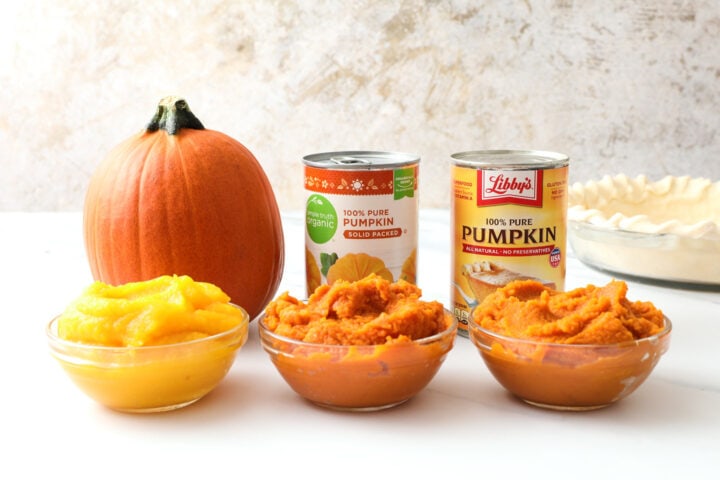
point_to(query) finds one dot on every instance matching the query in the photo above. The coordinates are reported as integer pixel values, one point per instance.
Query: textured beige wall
(630, 87)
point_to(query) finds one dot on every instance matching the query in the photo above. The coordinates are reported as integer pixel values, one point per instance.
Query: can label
(509, 224)
(360, 222)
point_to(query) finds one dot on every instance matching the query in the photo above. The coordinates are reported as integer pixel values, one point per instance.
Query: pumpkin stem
(173, 114)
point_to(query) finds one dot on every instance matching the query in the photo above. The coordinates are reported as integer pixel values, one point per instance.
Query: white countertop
(463, 423)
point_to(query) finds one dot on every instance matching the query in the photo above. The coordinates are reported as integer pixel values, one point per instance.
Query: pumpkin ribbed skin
(194, 203)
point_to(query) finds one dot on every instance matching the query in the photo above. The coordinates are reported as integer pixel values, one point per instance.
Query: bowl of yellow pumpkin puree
(360, 345)
(583, 349)
(148, 346)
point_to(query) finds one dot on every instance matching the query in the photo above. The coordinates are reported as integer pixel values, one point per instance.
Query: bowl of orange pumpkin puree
(149, 346)
(364, 345)
(577, 350)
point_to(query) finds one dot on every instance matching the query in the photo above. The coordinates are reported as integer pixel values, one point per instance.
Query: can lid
(511, 159)
(360, 159)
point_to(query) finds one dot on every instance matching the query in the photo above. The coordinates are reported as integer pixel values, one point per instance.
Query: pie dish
(666, 230)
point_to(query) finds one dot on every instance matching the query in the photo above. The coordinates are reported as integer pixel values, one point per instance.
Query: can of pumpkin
(361, 216)
(508, 215)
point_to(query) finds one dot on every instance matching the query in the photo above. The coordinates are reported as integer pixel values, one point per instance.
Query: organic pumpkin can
(361, 216)
(509, 212)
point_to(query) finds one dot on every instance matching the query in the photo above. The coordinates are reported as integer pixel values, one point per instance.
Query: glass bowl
(358, 378)
(660, 257)
(149, 378)
(664, 231)
(565, 376)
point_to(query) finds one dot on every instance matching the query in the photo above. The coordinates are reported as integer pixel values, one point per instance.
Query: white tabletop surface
(254, 426)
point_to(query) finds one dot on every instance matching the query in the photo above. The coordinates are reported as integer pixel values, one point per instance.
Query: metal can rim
(510, 159)
(360, 159)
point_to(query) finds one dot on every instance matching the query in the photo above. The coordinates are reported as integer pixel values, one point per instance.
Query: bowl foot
(565, 408)
(165, 408)
(374, 408)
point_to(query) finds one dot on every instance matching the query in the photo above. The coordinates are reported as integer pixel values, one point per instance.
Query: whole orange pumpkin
(181, 199)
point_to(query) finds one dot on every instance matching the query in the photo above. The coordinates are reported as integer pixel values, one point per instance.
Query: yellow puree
(167, 309)
(161, 311)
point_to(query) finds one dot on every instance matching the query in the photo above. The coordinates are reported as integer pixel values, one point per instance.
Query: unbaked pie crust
(667, 229)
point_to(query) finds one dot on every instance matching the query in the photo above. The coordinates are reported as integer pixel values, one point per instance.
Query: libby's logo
(510, 186)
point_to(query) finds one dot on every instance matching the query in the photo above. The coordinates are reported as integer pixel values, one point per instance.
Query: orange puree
(359, 345)
(371, 311)
(581, 349)
(590, 315)
(164, 310)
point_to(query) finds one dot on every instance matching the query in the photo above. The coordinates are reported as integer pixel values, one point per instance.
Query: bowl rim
(264, 331)
(57, 341)
(667, 329)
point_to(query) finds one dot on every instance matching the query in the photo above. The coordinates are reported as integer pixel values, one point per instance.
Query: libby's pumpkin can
(361, 216)
(508, 215)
